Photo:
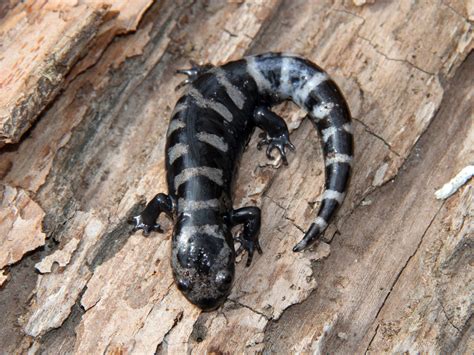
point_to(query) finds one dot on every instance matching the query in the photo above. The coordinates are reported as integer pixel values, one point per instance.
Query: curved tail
(285, 76)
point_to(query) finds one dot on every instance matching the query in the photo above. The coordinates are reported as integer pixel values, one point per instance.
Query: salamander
(208, 131)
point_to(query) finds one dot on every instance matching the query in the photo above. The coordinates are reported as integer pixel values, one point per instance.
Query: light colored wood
(40, 42)
(396, 258)
(20, 225)
(387, 275)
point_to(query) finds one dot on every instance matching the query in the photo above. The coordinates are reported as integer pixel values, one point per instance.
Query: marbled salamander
(209, 129)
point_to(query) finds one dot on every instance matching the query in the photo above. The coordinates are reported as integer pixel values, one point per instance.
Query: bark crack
(74, 318)
(350, 13)
(380, 52)
(285, 210)
(372, 339)
(176, 320)
(294, 224)
(153, 307)
(405, 61)
(455, 11)
(229, 33)
(402, 270)
(249, 308)
(276, 203)
(367, 129)
(447, 317)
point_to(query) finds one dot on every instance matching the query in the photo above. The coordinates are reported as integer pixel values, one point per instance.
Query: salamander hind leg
(147, 219)
(275, 133)
(248, 238)
(192, 73)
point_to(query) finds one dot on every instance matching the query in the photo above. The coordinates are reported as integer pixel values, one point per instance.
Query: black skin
(203, 266)
(275, 133)
(147, 220)
(209, 129)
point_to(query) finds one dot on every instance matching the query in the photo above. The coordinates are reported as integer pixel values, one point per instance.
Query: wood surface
(86, 91)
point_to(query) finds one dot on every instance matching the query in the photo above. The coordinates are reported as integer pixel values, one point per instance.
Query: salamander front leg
(248, 238)
(192, 73)
(147, 219)
(275, 133)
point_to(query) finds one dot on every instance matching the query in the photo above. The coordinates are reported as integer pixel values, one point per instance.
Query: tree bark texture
(87, 88)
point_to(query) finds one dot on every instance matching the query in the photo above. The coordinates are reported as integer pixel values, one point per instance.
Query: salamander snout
(209, 304)
(203, 264)
(207, 292)
(223, 282)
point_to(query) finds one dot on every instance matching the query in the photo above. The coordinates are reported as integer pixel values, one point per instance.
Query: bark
(88, 111)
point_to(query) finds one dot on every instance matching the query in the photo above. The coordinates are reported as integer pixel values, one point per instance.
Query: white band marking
(213, 140)
(174, 125)
(177, 151)
(339, 158)
(348, 127)
(234, 93)
(334, 195)
(187, 205)
(213, 174)
(321, 223)
(253, 69)
(322, 110)
(285, 86)
(209, 229)
(302, 94)
(328, 132)
(208, 103)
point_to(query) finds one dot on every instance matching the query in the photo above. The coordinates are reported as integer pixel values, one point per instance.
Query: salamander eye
(183, 285)
(223, 279)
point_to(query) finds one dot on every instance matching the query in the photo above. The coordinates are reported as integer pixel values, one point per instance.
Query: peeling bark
(392, 273)
(20, 225)
(35, 62)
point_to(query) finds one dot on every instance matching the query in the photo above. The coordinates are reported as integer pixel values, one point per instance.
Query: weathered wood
(393, 272)
(20, 226)
(40, 42)
(388, 279)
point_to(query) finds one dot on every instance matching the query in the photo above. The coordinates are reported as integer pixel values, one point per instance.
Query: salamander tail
(307, 85)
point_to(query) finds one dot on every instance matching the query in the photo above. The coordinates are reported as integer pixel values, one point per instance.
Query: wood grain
(393, 273)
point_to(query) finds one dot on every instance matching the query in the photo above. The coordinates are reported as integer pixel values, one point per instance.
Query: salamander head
(203, 264)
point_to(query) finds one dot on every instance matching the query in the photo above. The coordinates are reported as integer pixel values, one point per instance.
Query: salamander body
(208, 132)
